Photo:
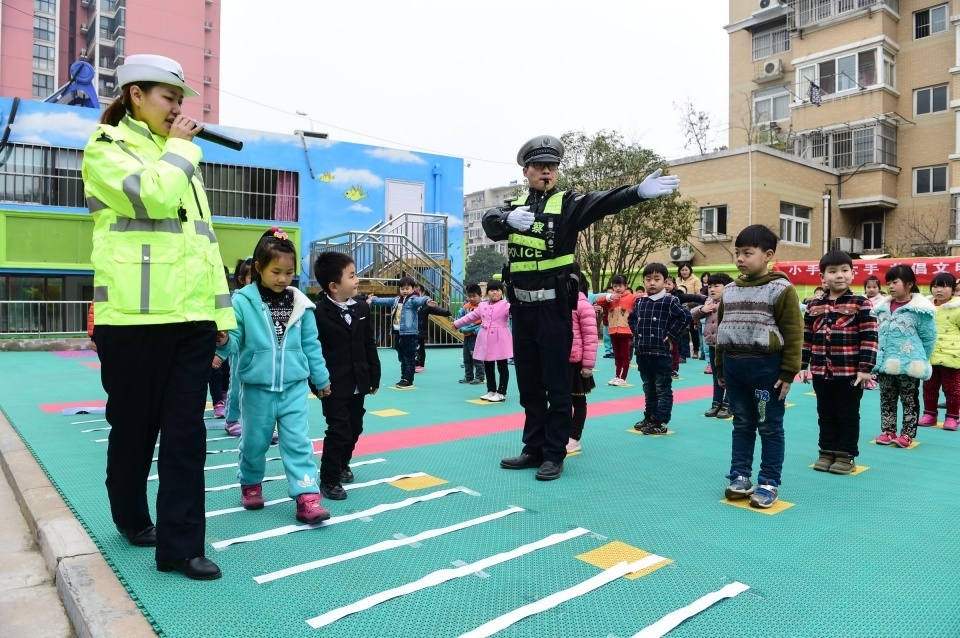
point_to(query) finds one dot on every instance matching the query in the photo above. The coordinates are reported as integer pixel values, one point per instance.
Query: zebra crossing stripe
(373, 511)
(384, 546)
(674, 618)
(442, 576)
(551, 601)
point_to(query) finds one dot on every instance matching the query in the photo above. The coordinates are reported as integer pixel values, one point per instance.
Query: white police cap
(145, 67)
(543, 148)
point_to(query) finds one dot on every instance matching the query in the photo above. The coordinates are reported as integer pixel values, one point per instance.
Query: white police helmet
(145, 67)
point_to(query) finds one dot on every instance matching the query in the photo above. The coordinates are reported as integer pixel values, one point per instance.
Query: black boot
(724, 412)
(714, 410)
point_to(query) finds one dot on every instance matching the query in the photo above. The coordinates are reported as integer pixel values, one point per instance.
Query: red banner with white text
(807, 273)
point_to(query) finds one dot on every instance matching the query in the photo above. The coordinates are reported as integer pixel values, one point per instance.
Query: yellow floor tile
(569, 454)
(860, 470)
(632, 431)
(389, 412)
(481, 402)
(789, 405)
(744, 503)
(616, 552)
(811, 394)
(417, 482)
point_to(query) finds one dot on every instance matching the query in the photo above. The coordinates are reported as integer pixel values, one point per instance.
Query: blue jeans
(607, 343)
(756, 407)
(407, 354)
(655, 372)
(471, 367)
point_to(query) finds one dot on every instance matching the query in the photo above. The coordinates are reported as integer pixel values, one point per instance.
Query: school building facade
(843, 131)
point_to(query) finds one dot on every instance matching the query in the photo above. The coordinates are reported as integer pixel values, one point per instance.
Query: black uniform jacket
(350, 350)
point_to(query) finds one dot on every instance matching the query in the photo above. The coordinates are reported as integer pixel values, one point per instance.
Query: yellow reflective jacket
(155, 255)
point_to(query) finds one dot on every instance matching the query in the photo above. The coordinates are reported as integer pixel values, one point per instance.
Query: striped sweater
(760, 316)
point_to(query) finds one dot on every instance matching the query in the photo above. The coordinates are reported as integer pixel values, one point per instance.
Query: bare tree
(928, 234)
(696, 127)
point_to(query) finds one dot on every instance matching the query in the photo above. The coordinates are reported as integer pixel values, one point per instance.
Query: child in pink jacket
(494, 341)
(583, 358)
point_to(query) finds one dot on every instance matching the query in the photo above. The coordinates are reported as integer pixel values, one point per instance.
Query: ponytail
(119, 108)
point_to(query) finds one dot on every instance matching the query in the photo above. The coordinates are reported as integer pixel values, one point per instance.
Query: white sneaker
(573, 446)
(618, 381)
(496, 398)
(613, 381)
(488, 396)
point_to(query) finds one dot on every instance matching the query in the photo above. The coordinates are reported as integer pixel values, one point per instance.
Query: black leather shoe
(198, 568)
(550, 471)
(522, 462)
(346, 476)
(147, 537)
(333, 491)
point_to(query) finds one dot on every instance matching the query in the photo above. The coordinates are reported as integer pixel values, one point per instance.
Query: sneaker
(827, 458)
(418, 369)
(466, 380)
(309, 509)
(886, 438)
(613, 381)
(478, 381)
(655, 428)
(708, 369)
(510, 361)
(926, 420)
(682, 360)
(641, 424)
(903, 441)
(713, 411)
(487, 396)
(219, 409)
(496, 397)
(675, 376)
(251, 496)
(403, 383)
(765, 496)
(724, 412)
(275, 437)
(740, 487)
(233, 428)
(573, 445)
(950, 423)
(333, 491)
(608, 356)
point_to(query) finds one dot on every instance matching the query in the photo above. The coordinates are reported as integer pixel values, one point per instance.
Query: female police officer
(160, 297)
(542, 236)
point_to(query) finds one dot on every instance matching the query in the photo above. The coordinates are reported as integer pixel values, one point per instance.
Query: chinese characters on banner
(807, 273)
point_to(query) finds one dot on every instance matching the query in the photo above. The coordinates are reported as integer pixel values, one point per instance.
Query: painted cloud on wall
(396, 155)
(356, 176)
(360, 208)
(36, 128)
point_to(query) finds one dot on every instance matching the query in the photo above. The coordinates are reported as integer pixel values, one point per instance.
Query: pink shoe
(927, 420)
(219, 409)
(418, 369)
(886, 438)
(309, 509)
(233, 428)
(251, 496)
(950, 423)
(903, 441)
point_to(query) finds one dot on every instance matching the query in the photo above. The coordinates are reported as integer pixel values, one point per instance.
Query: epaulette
(104, 137)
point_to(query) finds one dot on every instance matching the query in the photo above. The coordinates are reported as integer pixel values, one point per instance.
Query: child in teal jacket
(278, 350)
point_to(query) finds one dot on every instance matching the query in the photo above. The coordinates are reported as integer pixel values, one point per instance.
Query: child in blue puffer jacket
(406, 326)
(278, 350)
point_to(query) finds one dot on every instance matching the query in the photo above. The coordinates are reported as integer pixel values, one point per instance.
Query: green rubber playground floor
(872, 554)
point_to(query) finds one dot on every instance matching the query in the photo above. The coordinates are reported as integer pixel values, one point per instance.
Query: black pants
(695, 336)
(216, 381)
(421, 351)
(503, 369)
(838, 406)
(344, 417)
(542, 338)
(156, 380)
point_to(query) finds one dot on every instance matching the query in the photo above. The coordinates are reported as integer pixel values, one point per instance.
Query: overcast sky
(474, 79)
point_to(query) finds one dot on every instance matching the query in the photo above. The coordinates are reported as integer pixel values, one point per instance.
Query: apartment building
(40, 39)
(474, 204)
(843, 130)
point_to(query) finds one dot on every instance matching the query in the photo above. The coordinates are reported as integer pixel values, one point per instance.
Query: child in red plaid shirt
(840, 348)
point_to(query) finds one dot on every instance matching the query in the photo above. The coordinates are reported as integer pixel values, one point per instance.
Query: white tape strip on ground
(90, 421)
(442, 576)
(95, 430)
(551, 601)
(384, 546)
(373, 511)
(233, 486)
(231, 510)
(349, 486)
(674, 618)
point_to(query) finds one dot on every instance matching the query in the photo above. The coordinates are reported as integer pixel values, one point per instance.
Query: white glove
(521, 218)
(655, 186)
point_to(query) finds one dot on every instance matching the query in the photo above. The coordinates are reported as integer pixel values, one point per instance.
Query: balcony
(107, 38)
(809, 12)
(850, 147)
(770, 43)
(108, 66)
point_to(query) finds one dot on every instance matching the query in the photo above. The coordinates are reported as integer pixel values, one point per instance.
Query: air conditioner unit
(848, 244)
(772, 68)
(83, 54)
(683, 252)
(83, 27)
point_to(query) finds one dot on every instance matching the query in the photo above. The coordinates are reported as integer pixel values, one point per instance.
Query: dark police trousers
(542, 338)
(156, 381)
(344, 417)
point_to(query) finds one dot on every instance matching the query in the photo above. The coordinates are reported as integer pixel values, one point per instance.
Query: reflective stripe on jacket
(155, 256)
(528, 249)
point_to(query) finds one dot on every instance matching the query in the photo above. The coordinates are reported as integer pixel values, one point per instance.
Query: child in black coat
(346, 334)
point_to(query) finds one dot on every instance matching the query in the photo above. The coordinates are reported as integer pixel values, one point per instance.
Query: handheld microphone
(219, 138)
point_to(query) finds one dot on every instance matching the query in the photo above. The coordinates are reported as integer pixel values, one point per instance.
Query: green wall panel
(44, 240)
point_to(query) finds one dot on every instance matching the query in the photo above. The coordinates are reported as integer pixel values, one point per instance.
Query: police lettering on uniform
(159, 298)
(541, 238)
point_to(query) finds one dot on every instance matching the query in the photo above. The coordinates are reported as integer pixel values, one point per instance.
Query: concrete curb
(95, 601)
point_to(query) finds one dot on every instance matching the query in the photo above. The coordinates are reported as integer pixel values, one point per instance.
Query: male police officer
(542, 236)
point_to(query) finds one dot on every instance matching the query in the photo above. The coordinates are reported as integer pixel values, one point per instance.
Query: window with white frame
(713, 222)
(771, 39)
(930, 180)
(843, 73)
(795, 224)
(932, 99)
(873, 235)
(929, 22)
(771, 105)
(844, 148)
